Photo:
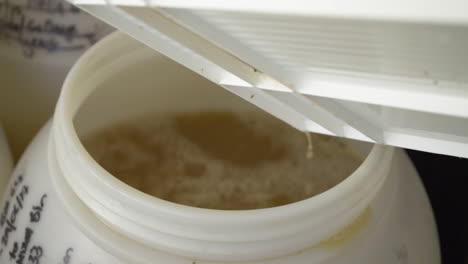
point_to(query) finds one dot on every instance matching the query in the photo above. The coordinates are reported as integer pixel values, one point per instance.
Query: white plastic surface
(402, 226)
(181, 230)
(448, 11)
(341, 73)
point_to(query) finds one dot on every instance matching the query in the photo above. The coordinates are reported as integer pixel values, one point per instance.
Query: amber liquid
(221, 160)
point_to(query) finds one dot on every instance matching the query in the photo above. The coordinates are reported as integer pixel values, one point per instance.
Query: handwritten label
(23, 251)
(21, 220)
(20, 256)
(15, 201)
(35, 214)
(50, 26)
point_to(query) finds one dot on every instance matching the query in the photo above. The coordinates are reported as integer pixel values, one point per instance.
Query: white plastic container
(62, 207)
(39, 42)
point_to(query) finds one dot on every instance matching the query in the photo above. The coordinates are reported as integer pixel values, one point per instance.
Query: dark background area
(446, 182)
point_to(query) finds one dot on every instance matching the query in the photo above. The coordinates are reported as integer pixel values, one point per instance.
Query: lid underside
(391, 78)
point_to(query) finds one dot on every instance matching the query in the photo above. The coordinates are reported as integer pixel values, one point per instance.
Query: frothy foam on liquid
(221, 159)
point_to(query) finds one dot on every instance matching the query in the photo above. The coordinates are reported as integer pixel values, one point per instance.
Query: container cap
(388, 72)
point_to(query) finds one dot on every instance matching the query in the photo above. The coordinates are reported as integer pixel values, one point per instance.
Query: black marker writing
(3, 217)
(51, 7)
(16, 183)
(49, 35)
(6, 208)
(35, 255)
(24, 246)
(35, 214)
(68, 255)
(11, 220)
(19, 253)
(14, 251)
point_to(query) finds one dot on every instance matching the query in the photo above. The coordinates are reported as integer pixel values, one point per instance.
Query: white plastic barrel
(62, 207)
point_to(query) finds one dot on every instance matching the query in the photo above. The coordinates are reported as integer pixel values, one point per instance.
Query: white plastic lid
(389, 72)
